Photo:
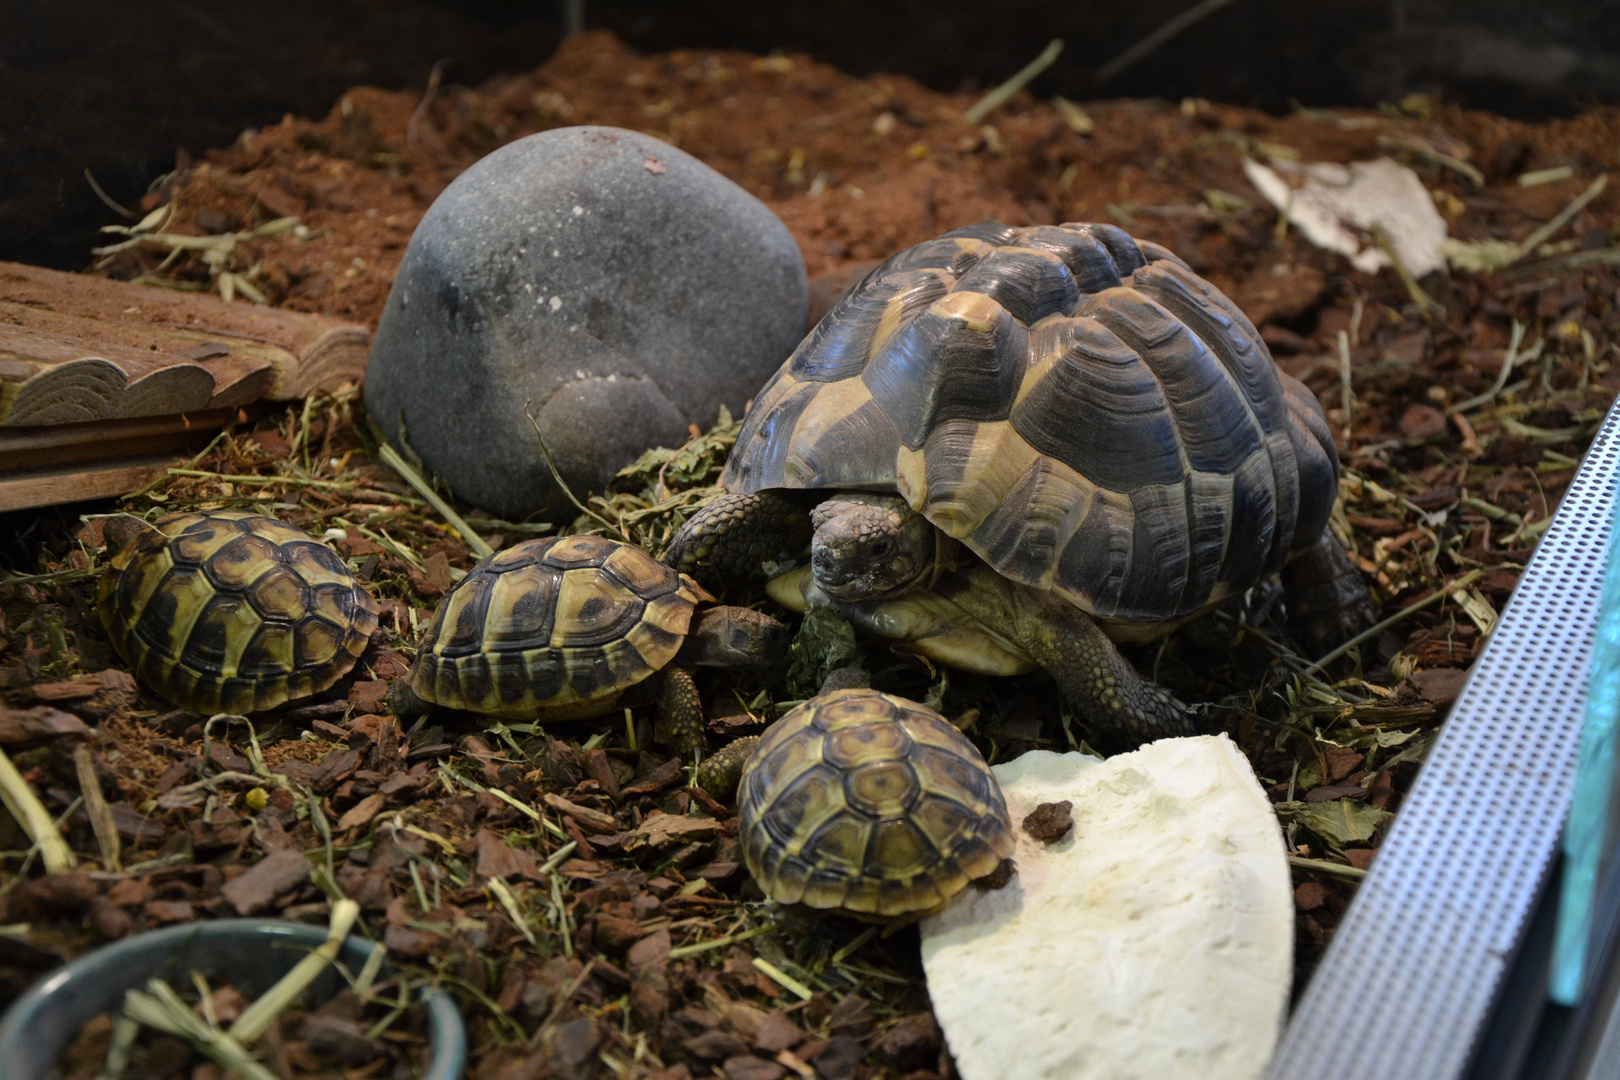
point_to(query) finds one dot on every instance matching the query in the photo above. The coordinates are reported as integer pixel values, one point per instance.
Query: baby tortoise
(1020, 446)
(871, 804)
(229, 611)
(558, 628)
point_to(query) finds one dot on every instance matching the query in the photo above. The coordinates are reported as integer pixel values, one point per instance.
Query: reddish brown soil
(858, 168)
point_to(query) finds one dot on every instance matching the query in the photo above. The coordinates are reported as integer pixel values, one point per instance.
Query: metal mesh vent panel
(1414, 967)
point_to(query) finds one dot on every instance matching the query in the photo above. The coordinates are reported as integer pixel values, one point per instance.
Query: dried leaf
(1341, 822)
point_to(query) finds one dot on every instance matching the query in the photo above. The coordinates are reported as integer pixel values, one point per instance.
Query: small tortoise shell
(555, 628)
(869, 803)
(234, 612)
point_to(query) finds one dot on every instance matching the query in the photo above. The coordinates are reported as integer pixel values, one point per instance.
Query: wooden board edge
(56, 487)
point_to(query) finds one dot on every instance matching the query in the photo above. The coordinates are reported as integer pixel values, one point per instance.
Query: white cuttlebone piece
(1154, 941)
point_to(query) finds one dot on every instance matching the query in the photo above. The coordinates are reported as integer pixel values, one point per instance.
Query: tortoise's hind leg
(1328, 601)
(1101, 685)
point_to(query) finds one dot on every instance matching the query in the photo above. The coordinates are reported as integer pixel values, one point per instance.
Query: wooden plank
(67, 484)
(76, 348)
(25, 449)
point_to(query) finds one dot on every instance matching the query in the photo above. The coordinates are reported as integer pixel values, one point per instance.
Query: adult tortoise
(868, 803)
(558, 628)
(1028, 444)
(230, 611)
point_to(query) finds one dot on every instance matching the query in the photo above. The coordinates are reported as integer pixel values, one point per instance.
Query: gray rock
(618, 286)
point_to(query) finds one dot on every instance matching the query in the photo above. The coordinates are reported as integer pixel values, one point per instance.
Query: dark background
(119, 87)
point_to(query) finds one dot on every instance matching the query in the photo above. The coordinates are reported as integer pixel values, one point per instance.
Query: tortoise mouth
(850, 585)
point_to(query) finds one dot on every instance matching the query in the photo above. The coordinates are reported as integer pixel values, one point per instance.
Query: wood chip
(330, 732)
(1331, 792)
(498, 859)
(21, 726)
(660, 829)
(362, 812)
(649, 957)
(591, 820)
(334, 767)
(597, 768)
(265, 880)
(749, 1067)
(85, 686)
(1439, 686)
(368, 696)
(134, 825)
(778, 1033)
(437, 569)
(659, 778)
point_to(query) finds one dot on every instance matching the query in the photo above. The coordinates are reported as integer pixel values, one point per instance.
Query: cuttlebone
(1154, 940)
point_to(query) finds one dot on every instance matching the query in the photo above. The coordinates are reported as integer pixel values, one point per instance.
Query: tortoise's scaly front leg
(720, 773)
(680, 715)
(740, 538)
(680, 726)
(1108, 693)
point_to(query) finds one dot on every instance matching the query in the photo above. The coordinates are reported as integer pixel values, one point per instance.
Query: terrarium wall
(120, 89)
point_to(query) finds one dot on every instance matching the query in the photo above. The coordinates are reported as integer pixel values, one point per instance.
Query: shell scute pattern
(839, 346)
(881, 789)
(557, 627)
(279, 590)
(234, 612)
(955, 253)
(1223, 328)
(859, 742)
(869, 803)
(1028, 282)
(961, 359)
(317, 642)
(838, 848)
(1083, 411)
(594, 607)
(272, 651)
(1095, 392)
(519, 610)
(236, 564)
(200, 541)
(1213, 426)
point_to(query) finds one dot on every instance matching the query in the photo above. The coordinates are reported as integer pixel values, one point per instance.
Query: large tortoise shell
(869, 803)
(234, 612)
(1077, 407)
(554, 628)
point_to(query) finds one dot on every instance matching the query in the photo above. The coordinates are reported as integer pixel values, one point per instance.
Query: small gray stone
(618, 286)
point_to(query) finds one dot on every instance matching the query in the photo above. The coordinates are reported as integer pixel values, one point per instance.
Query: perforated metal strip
(1415, 965)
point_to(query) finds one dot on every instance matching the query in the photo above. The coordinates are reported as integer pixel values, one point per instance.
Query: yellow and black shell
(234, 612)
(1075, 406)
(868, 803)
(554, 629)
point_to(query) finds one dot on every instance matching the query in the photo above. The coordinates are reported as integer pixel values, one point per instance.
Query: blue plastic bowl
(251, 953)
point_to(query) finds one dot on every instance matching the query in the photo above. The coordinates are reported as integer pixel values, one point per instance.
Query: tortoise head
(734, 637)
(868, 547)
(121, 531)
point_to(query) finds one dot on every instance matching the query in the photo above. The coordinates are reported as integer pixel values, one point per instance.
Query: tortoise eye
(881, 548)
